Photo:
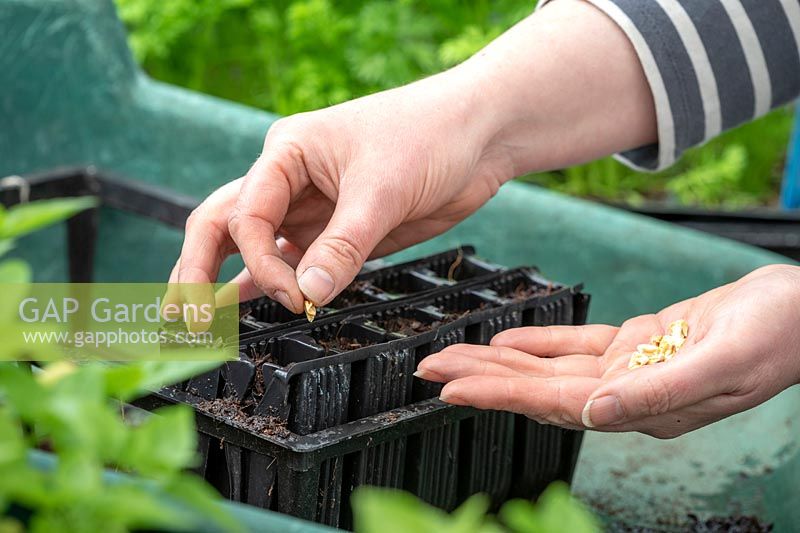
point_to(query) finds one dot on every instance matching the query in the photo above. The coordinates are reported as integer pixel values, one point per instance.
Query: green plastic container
(72, 95)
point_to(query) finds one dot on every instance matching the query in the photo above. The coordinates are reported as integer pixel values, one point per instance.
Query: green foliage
(28, 217)
(393, 511)
(75, 412)
(290, 56)
(556, 510)
(66, 409)
(741, 167)
(710, 183)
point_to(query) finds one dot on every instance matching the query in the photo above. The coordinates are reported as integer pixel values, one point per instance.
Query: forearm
(563, 86)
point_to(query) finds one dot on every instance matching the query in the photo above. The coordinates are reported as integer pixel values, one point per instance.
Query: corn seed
(311, 310)
(661, 347)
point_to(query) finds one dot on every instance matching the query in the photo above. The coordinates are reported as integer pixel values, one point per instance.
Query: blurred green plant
(742, 167)
(290, 56)
(75, 412)
(393, 511)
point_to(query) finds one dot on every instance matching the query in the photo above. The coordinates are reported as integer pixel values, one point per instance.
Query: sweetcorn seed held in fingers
(310, 309)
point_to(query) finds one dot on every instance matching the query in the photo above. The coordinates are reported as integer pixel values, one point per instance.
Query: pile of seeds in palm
(661, 347)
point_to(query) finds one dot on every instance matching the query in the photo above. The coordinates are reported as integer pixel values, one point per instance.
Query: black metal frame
(771, 229)
(150, 201)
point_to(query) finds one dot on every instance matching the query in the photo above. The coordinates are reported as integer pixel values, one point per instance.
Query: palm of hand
(734, 358)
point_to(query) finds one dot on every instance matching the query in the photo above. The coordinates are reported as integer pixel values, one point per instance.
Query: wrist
(562, 87)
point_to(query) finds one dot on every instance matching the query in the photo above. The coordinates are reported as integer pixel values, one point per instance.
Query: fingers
(462, 360)
(242, 287)
(360, 221)
(453, 364)
(262, 205)
(207, 242)
(558, 340)
(696, 374)
(556, 400)
(172, 296)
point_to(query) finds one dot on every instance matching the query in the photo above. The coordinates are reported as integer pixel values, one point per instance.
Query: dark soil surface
(352, 295)
(406, 326)
(450, 317)
(256, 353)
(343, 344)
(455, 315)
(258, 381)
(524, 291)
(228, 409)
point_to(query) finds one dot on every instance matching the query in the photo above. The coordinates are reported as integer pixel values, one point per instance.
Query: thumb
(694, 375)
(336, 256)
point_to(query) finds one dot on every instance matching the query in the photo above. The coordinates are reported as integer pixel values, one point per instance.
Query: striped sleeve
(711, 65)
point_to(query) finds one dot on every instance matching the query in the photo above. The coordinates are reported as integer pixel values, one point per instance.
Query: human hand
(364, 178)
(377, 174)
(742, 349)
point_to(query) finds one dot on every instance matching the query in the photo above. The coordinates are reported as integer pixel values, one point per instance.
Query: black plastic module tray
(357, 415)
(353, 369)
(341, 369)
(428, 448)
(379, 284)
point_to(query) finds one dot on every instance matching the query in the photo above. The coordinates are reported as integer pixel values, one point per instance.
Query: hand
(375, 175)
(367, 177)
(743, 348)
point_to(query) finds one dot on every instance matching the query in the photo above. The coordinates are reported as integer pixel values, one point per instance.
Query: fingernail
(431, 369)
(428, 375)
(283, 298)
(316, 284)
(603, 411)
(449, 397)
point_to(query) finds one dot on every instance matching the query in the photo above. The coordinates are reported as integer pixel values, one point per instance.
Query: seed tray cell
(379, 284)
(350, 367)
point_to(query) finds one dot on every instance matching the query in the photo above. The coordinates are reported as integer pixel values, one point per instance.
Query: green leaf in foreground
(164, 443)
(14, 271)
(393, 511)
(134, 379)
(556, 510)
(25, 218)
(378, 510)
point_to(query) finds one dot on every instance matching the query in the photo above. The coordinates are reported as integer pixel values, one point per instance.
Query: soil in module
(455, 315)
(353, 294)
(406, 326)
(343, 344)
(228, 409)
(524, 291)
(258, 381)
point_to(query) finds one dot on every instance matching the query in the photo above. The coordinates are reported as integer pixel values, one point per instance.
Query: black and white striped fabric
(711, 64)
